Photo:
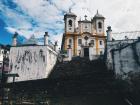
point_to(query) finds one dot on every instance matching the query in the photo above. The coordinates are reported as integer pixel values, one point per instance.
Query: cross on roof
(97, 11)
(85, 17)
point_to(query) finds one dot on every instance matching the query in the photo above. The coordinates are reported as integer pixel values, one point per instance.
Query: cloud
(11, 30)
(29, 17)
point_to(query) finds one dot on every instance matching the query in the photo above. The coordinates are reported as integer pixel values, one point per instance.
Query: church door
(86, 52)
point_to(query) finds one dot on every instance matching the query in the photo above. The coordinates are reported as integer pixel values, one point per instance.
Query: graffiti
(31, 62)
(35, 59)
(42, 55)
(27, 57)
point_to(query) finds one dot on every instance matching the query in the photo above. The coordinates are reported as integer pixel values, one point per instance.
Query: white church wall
(80, 27)
(91, 53)
(86, 27)
(88, 41)
(94, 44)
(93, 50)
(31, 62)
(101, 45)
(71, 44)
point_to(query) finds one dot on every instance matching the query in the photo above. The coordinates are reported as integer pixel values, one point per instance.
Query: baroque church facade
(88, 39)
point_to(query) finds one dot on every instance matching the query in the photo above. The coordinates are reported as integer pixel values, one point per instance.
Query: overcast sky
(29, 17)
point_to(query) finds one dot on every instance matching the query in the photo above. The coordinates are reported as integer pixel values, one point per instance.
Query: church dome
(70, 14)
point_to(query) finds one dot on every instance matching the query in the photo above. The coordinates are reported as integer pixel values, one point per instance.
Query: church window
(101, 42)
(79, 41)
(70, 41)
(99, 25)
(92, 42)
(70, 23)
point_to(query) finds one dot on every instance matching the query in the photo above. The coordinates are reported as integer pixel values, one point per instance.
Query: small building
(86, 40)
(30, 60)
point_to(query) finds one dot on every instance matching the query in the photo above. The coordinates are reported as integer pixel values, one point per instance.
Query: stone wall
(115, 45)
(31, 62)
(124, 58)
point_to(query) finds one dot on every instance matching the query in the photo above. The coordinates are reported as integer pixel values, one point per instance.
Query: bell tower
(99, 23)
(70, 19)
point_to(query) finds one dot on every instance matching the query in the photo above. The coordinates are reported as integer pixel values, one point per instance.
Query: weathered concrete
(31, 62)
(124, 56)
(117, 44)
(127, 59)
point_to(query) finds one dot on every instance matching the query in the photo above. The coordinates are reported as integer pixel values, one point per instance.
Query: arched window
(99, 25)
(79, 41)
(70, 41)
(70, 23)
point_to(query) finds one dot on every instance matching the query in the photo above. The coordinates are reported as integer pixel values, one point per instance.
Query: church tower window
(70, 23)
(99, 25)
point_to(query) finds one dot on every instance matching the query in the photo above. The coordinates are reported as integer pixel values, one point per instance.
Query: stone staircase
(80, 67)
(78, 82)
(81, 76)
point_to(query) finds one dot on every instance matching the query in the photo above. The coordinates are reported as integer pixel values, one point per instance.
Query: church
(86, 40)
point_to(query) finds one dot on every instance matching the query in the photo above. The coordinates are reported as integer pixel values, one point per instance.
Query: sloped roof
(70, 14)
(97, 15)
